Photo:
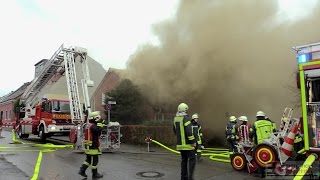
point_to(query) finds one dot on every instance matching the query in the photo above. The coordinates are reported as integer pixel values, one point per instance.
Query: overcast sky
(32, 30)
(111, 31)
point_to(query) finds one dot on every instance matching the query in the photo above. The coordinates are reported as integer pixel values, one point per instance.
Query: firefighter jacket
(231, 131)
(182, 128)
(93, 139)
(262, 129)
(244, 132)
(197, 132)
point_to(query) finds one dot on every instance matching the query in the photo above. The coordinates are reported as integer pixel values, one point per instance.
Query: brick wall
(109, 82)
(7, 111)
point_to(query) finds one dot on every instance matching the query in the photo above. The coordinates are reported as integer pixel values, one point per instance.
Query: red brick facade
(109, 82)
(7, 112)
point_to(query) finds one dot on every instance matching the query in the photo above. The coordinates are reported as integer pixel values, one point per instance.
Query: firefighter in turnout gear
(298, 143)
(232, 134)
(244, 130)
(197, 132)
(262, 129)
(92, 143)
(186, 142)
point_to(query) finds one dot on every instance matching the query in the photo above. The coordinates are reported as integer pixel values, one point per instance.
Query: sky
(111, 31)
(32, 30)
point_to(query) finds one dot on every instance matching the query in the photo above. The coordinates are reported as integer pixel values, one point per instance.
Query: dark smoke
(224, 56)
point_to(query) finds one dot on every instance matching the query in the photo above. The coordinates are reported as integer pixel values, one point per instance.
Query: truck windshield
(60, 106)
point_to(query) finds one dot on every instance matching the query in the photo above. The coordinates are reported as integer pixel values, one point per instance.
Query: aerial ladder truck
(56, 115)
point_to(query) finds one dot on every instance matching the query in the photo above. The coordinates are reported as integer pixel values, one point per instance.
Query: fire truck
(308, 81)
(54, 114)
(274, 152)
(49, 115)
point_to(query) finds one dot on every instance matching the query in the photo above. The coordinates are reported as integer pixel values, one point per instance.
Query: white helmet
(243, 118)
(195, 116)
(232, 118)
(183, 107)
(261, 113)
(94, 115)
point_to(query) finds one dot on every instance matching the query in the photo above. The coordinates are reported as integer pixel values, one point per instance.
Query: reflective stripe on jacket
(183, 130)
(262, 129)
(196, 129)
(93, 142)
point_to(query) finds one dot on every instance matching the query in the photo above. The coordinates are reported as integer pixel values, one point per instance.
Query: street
(129, 163)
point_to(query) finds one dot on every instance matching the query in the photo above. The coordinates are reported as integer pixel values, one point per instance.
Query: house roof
(110, 71)
(14, 94)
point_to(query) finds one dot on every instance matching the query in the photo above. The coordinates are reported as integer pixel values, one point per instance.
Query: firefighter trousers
(188, 163)
(232, 145)
(90, 160)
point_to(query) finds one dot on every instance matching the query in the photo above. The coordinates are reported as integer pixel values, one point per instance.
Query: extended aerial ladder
(50, 68)
(64, 61)
(70, 56)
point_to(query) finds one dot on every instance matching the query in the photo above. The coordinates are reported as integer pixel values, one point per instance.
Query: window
(6, 115)
(9, 115)
(103, 99)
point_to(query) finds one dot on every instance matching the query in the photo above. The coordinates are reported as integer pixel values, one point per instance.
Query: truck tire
(22, 136)
(42, 135)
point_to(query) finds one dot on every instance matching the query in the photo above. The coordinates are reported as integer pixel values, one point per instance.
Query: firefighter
(298, 142)
(231, 133)
(244, 130)
(261, 129)
(92, 145)
(186, 142)
(197, 132)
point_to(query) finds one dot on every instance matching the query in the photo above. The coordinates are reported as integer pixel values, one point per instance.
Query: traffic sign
(112, 102)
(108, 107)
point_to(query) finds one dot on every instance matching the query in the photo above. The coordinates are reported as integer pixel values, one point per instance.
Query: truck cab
(48, 118)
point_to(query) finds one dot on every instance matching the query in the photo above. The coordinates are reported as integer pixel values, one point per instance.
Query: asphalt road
(129, 163)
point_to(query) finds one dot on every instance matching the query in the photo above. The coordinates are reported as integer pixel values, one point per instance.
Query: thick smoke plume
(224, 58)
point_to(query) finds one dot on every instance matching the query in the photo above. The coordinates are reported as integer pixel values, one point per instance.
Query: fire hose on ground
(215, 154)
(45, 148)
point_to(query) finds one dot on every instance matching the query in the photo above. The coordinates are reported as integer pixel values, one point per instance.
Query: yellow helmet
(232, 118)
(94, 115)
(183, 107)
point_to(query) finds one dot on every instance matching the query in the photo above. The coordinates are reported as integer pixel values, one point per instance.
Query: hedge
(136, 134)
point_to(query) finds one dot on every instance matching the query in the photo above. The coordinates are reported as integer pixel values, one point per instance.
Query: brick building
(109, 82)
(7, 113)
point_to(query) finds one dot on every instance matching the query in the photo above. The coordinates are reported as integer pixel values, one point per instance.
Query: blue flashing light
(303, 58)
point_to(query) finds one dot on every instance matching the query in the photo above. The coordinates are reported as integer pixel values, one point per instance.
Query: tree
(17, 107)
(130, 103)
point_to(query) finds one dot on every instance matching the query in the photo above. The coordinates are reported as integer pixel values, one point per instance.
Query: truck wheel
(22, 136)
(20, 132)
(25, 136)
(42, 135)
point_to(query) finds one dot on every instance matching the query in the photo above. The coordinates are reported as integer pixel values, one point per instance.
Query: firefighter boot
(95, 174)
(82, 170)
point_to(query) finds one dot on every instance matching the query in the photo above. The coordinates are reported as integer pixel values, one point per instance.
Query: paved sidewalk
(8, 171)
